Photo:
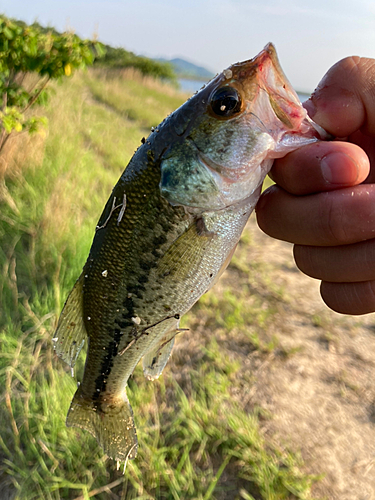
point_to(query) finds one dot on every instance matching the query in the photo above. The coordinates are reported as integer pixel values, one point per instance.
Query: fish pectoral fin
(110, 422)
(155, 360)
(71, 333)
(185, 255)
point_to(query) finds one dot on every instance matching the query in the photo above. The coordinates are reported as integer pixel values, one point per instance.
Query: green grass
(197, 441)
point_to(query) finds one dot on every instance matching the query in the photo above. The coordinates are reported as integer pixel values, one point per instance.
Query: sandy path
(322, 396)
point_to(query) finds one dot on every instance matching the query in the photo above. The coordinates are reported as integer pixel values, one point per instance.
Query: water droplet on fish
(129, 295)
(227, 74)
(88, 317)
(105, 273)
(55, 339)
(136, 320)
(86, 275)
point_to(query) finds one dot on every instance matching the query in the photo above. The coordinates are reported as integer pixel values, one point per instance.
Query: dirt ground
(322, 396)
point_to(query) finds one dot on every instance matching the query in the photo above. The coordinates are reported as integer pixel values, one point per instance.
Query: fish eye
(226, 102)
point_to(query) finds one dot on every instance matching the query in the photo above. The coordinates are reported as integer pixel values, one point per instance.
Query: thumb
(344, 100)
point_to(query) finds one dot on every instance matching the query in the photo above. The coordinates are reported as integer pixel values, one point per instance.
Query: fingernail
(339, 168)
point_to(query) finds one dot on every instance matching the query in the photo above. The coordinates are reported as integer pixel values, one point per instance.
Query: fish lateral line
(145, 332)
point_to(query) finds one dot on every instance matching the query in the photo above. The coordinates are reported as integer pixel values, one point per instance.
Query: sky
(310, 36)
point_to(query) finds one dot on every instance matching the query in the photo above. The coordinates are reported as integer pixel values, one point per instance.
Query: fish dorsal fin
(71, 333)
(155, 360)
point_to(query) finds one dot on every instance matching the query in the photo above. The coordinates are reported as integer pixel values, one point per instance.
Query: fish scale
(168, 231)
(146, 220)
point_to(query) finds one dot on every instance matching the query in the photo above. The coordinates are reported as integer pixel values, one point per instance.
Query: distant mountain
(186, 69)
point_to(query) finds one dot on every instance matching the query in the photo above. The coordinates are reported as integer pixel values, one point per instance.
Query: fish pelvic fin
(71, 333)
(155, 360)
(110, 422)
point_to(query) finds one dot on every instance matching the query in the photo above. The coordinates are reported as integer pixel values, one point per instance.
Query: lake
(191, 86)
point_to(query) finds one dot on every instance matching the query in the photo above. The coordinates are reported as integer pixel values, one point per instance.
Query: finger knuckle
(333, 222)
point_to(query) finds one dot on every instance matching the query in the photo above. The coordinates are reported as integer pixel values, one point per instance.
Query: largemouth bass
(168, 231)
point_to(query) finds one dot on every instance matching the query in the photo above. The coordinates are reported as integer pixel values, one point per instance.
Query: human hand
(324, 197)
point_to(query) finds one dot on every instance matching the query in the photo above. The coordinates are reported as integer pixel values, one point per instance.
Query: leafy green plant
(30, 50)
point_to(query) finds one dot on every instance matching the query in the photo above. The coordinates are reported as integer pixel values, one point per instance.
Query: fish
(168, 231)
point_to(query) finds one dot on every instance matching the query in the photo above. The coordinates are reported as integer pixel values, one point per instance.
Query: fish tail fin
(110, 422)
